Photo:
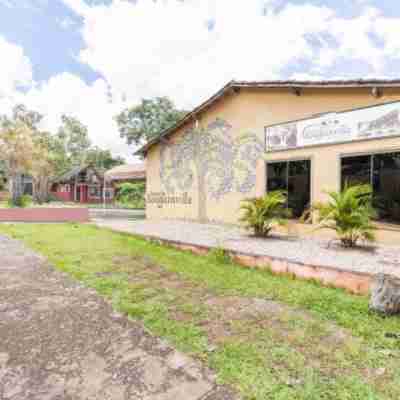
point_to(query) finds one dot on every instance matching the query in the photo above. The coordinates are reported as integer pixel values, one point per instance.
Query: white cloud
(15, 68)
(147, 48)
(68, 94)
(66, 23)
(62, 94)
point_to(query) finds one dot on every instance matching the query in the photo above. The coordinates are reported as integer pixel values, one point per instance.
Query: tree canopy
(147, 120)
(72, 146)
(26, 149)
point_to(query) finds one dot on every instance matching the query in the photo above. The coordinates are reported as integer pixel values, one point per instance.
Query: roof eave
(332, 84)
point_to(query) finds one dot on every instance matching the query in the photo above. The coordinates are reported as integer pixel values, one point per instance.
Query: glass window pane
(277, 176)
(386, 185)
(356, 170)
(299, 186)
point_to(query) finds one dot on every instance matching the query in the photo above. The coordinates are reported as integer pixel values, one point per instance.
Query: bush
(263, 214)
(22, 201)
(132, 194)
(349, 213)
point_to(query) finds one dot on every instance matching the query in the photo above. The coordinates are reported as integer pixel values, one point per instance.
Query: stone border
(351, 281)
(49, 214)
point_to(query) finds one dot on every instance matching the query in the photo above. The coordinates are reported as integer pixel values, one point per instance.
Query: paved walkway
(61, 341)
(115, 213)
(306, 251)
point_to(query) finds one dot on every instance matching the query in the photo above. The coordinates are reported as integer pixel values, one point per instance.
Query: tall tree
(29, 117)
(147, 120)
(16, 149)
(43, 165)
(17, 145)
(103, 158)
(73, 141)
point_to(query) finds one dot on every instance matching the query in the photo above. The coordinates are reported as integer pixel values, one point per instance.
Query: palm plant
(349, 213)
(263, 214)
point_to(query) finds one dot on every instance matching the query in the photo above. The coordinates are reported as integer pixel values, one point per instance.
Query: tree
(72, 141)
(147, 120)
(43, 165)
(16, 149)
(212, 158)
(103, 158)
(29, 117)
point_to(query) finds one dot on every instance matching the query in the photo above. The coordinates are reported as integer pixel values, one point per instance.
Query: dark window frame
(374, 179)
(288, 176)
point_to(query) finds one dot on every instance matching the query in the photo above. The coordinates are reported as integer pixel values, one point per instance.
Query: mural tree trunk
(202, 196)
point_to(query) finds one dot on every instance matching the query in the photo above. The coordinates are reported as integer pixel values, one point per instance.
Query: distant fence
(44, 214)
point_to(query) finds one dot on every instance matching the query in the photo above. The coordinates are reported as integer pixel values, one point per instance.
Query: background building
(131, 173)
(82, 184)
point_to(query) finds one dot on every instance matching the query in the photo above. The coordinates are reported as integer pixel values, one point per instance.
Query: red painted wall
(44, 215)
(62, 196)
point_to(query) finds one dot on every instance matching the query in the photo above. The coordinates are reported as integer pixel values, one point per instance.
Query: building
(126, 173)
(26, 181)
(82, 184)
(251, 137)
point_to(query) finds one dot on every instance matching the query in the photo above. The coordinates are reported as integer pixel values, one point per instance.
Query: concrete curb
(352, 281)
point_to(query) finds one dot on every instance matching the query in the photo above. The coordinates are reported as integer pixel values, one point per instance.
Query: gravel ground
(61, 341)
(369, 260)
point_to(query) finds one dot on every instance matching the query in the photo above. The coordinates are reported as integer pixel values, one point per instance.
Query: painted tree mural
(213, 160)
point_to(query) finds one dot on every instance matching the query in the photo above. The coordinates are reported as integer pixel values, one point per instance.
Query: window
(356, 170)
(295, 178)
(382, 172)
(65, 188)
(94, 191)
(109, 193)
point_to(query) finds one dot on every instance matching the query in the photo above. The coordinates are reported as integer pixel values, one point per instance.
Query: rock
(385, 294)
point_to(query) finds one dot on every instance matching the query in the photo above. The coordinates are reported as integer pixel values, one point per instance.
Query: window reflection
(294, 178)
(356, 170)
(382, 172)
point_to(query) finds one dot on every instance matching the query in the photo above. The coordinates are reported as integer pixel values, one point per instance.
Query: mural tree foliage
(212, 160)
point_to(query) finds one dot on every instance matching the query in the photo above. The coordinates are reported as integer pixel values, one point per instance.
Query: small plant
(220, 255)
(21, 202)
(349, 213)
(263, 214)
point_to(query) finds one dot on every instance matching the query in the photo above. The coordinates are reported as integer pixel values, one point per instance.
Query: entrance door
(78, 193)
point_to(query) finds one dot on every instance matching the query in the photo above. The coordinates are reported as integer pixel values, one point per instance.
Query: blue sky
(92, 58)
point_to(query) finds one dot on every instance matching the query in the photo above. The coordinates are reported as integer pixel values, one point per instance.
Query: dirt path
(59, 340)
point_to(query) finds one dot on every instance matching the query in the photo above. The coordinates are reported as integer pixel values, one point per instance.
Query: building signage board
(365, 123)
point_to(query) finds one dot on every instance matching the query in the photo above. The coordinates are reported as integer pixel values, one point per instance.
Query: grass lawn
(270, 337)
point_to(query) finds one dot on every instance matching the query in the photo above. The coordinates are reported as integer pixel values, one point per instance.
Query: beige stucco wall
(252, 110)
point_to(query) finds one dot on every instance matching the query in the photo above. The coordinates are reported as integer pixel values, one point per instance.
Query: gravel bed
(367, 259)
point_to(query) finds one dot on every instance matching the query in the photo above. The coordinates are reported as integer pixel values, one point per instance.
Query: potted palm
(263, 214)
(349, 213)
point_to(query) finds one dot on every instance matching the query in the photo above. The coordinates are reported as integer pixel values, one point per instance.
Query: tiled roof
(127, 172)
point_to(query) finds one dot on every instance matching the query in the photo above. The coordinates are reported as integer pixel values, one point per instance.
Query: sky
(93, 58)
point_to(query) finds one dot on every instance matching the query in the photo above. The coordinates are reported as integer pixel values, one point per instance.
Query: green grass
(294, 354)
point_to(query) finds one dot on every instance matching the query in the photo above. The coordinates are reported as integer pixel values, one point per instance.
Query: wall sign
(161, 198)
(365, 123)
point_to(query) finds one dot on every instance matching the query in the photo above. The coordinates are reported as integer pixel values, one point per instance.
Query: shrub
(349, 213)
(263, 214)
(22, 201)
(132, 194)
